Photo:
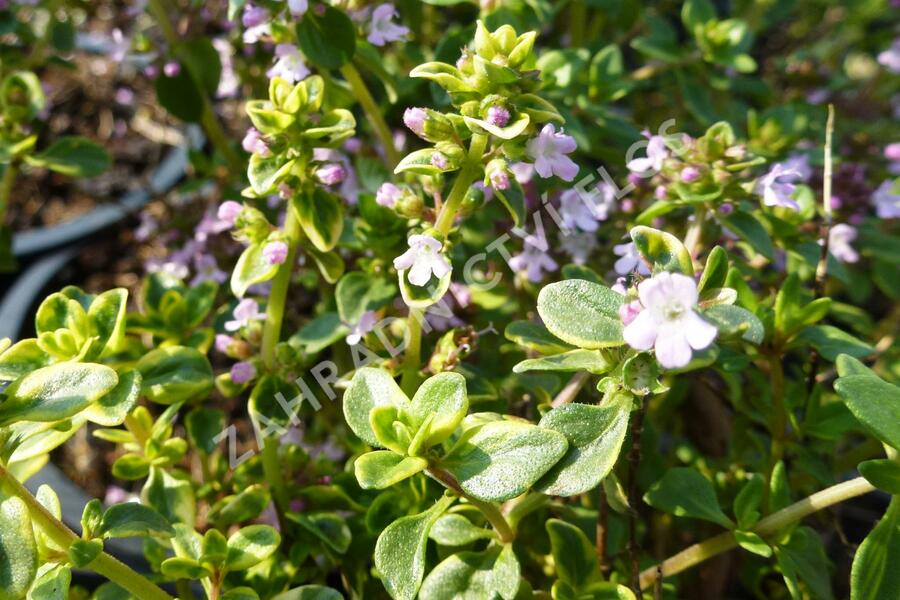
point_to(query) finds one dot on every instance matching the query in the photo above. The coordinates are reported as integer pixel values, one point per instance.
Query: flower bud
(409, 204)
(275, 252)
(172, 69)
(228, 211)
(331, 174)
(242, 372)
(497, 116)
(388, 195)
(690, 174)
(497, 174)
(430, 125)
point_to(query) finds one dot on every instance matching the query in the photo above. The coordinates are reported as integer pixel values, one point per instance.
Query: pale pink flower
(839, 239)
(242, 372)
(887, 201)
(275, 252)
(382, 29)
(298, 7)
(548, 151)
(253, 142)
(667, 321)
(358, 331)
(630, 260)
(414, 119)
(244, 313)
(423, 259)
(890, 58)
(533, 260)
(777, 186)
(228, 212)
(388, 195)
(657, 152)
(289, 65)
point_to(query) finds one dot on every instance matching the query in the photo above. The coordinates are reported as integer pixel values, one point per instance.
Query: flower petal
(640, 334)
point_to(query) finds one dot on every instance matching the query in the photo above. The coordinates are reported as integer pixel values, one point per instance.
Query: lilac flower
(382, 29)
(839, 239)
(668, 322)
(690, 174)
(887, 201)
(275, 252)
(228, 212)
(242, 372)
(358, 331)
(577, 212)
(244, 313)
(890, 58)
(254, 143)
(423, 259)
(630, 260)
(892, 152)
(533, 260)
(290, 64)
(777, 186)
(388, 195)
(148, 226)
(256, 21)
(579, 246)
(498, 116)
(298, 8)
(799, 163)
(522, 171)
(174, 268)
(548, 151)
(210, 224)
(414, 119)
(223, 342)
(331, 174)
(657, 152)
(172, 69)
(207, 269)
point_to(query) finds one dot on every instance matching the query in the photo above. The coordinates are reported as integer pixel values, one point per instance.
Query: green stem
(6, 185)
(208, 119)
(490, 512)
(412, 355)
(467, 176)
(777, 420)
(516, 510)
(278, 294)
(766, 528)
(373, 113)
(106, 565)
(273, 474)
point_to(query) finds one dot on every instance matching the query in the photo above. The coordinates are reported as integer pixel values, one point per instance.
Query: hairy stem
(468, 174)
(766, 528)
(634, 462)
(777, 420)
(106, 565)
(278, 294)
(568, 393)
(373, 114)
(208, 120)
(490, 512)
(412, 355)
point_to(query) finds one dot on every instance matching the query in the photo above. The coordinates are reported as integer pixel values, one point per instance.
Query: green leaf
(370, 388)
(534, 336)
(502, 459)
(442, 398)
(321, 215)
(716, 270)
(251, 268)
(175, 374)
(748, 228)
(464, 576)
(133, 520)
(180, 96)
(184, 568)
(684, 492)
(56, 392)
(400, 551)
(112, 408)
(204, 63)
(320, 333)
(419, 162)
(73, 156)
(131, 467)
(874, 575)
(328, 39)
(329, 528)
(83, 552)
(247, 504)
(250, 546)
(829, 342)
(507, 573)
(266, 172)
(882, 473)
(582, 313)
(203, 425)
(382, 468)
(52, 584)
(734, 321)
(22, 358)
(310, 592)
(18, 551)
(695, 13)
(358, 292)
(172, 497)
(107, 316)
(874, 402)
(592, 361)
(595, 435)
(513, 198)
(803, 558)
(456, 530)
(751, 542)
(662, 250)
(512, 130)
(748, 501)
(573, 554)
